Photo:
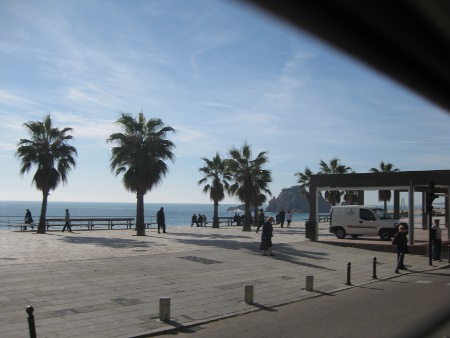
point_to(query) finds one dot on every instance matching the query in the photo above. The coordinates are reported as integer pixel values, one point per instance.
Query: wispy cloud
(9, 98)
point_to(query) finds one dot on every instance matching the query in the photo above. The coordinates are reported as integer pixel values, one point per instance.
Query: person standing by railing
(161, 220)
(67, 223)
(28, 219)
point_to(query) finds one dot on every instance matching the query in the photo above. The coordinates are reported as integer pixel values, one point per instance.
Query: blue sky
(219, 73)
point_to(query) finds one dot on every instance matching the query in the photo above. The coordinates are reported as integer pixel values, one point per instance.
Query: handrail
(89, 221)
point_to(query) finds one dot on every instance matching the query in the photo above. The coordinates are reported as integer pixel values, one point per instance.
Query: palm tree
(350, 197)
(333, 168)
(250, 180)
(261, 180)
(304, 179)
(54, 157)
(140, 154)
(216, 180)
(384, 195)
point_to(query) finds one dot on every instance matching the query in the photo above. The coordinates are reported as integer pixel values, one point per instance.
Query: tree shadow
(284, 252)
(108, 242)
(373, 245)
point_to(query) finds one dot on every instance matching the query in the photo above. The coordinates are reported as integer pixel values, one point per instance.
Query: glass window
(366, 215)
(381, 214)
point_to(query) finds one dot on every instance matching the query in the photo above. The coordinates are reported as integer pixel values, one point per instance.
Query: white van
(360, 220)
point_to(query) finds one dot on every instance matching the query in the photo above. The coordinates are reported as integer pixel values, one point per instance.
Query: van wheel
(385, 235)
(340, 233)
(354, 236)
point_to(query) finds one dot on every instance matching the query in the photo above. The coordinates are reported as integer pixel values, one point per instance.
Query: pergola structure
(402, 181)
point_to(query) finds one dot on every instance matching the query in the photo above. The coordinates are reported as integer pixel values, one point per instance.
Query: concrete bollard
(309, 283)
(164, 309)
(248, 294)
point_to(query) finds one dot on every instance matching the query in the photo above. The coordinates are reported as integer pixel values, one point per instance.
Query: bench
(222, 219)
(228, 220)
(23, 226)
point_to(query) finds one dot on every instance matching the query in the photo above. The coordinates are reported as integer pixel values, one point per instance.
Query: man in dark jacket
(282, 216)
(401, 242)
(161, 220)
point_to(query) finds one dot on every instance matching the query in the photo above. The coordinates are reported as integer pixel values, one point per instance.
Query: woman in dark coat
(266, 237)
(401, 242)
(28, 219)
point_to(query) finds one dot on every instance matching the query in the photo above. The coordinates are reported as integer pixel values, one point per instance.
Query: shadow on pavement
(108, 242)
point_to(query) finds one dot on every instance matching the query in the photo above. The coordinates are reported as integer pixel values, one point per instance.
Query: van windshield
(381, 214)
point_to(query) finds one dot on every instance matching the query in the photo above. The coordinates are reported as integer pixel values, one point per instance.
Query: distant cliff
(291, 199)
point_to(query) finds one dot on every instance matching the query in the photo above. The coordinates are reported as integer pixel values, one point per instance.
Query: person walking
(67, 222)
(161, 220)
(282, 216)
(261, 218)
(28, 218)
(289, 218)
(401, 242)
(436, 240)
(266, 237)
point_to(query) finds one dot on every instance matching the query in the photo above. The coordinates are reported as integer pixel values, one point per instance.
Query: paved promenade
(107, 283)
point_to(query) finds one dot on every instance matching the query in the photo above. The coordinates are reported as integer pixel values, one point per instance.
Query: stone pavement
(107, 283)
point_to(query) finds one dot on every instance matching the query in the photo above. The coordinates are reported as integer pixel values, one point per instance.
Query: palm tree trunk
(385, 205)
(216, 215)
(255, 217)
(247, 226)
(140, 226)
(43, 216)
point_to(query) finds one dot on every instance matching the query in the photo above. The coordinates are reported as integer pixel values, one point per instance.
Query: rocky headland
(290, 199)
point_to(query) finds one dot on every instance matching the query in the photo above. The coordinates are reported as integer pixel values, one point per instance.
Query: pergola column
(396, 204)
(411, 212)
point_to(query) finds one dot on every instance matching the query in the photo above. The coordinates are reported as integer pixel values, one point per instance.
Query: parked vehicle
(360, 220)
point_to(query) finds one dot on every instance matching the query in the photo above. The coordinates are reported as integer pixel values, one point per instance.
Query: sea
(177, 214)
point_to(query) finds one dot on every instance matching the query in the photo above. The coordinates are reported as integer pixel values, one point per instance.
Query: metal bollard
(374, 274)
(309, 283)
(248, 294)
(31, 324)
(164, 309)
(349, 267)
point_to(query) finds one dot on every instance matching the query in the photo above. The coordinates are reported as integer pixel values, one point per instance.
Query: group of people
(199, 220)
(401, 242)
(29, 220)
(282, 216)
(238, 219)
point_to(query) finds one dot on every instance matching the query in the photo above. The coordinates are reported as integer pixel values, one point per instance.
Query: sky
(220, 73)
